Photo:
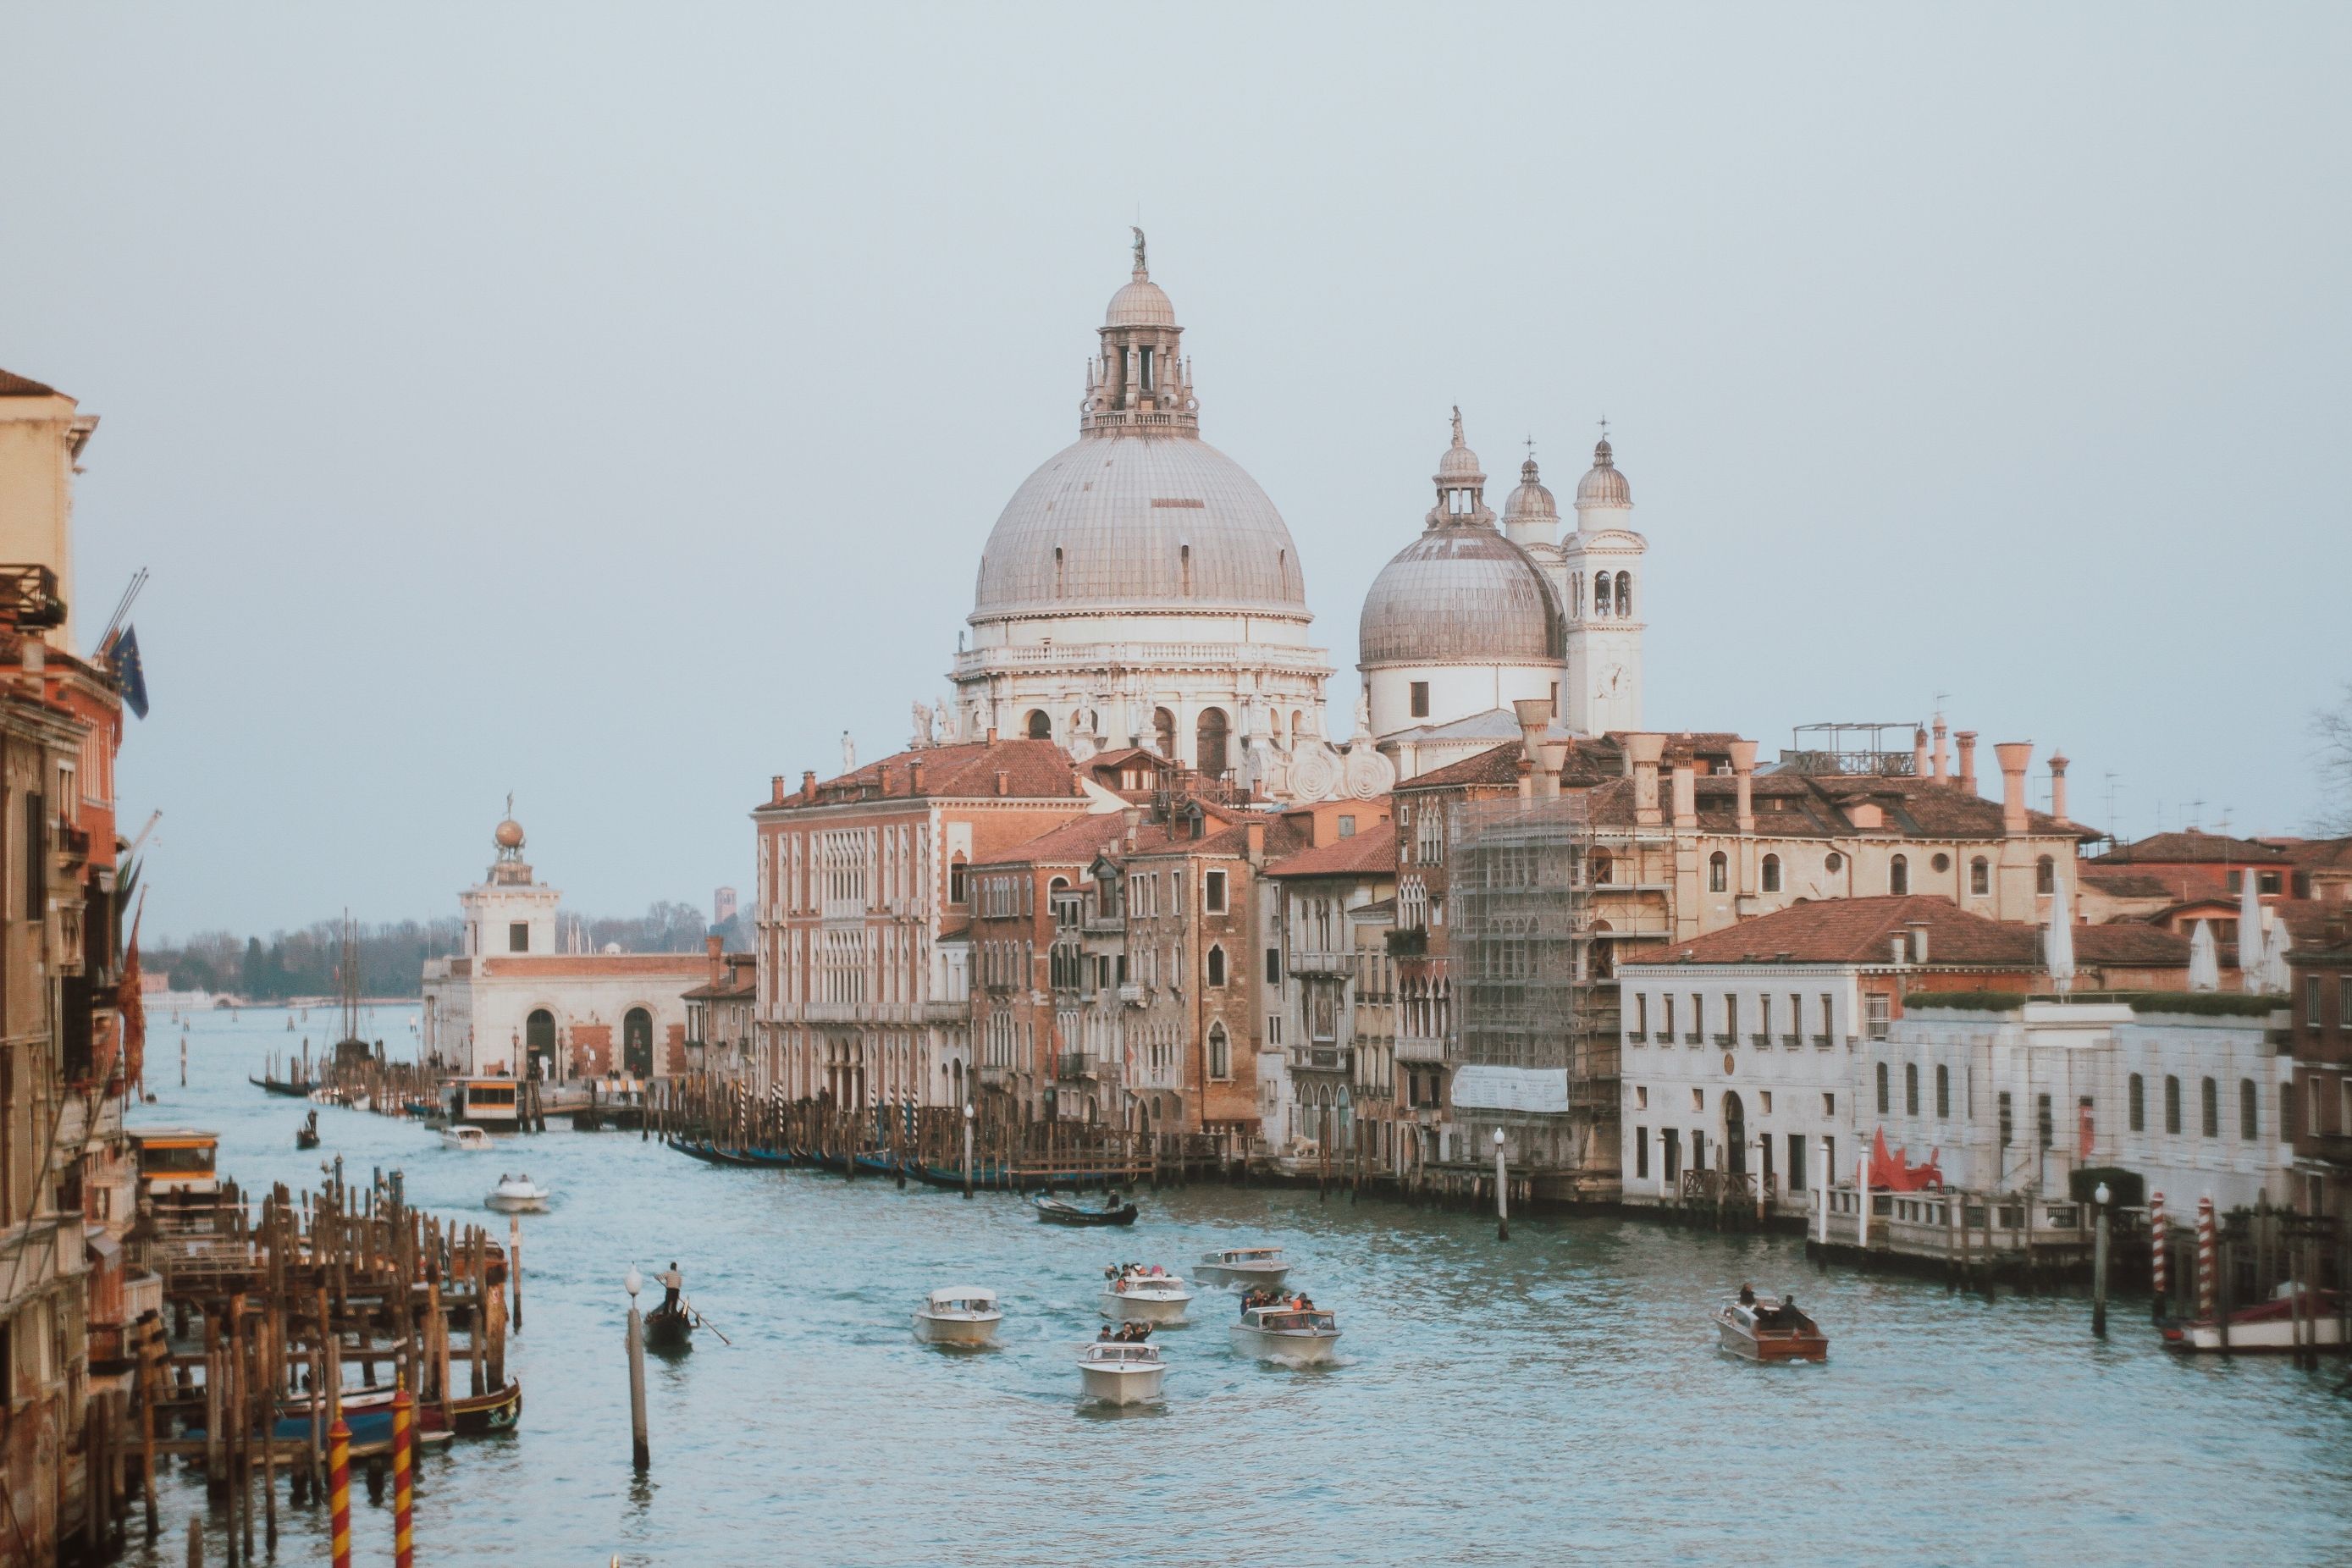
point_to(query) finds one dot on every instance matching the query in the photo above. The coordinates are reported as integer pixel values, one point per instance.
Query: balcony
(1132, 995)
(995, 1075)
(1420, 1048)
(2334, 1148)
(1792, 1041)
(1726, 1041)
(1319, 1058)
(1694, 1038)
(1070, 1065)
(1822, 1041)
(1104, 925)
(1762, 1042)
(1306, 961)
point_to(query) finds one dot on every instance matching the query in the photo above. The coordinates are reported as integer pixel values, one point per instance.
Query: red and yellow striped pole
(404, 1451)
(2157, 1264)
(339, 1489)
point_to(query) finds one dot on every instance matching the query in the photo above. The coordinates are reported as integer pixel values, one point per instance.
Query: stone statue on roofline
(922, 736)
(848, 754)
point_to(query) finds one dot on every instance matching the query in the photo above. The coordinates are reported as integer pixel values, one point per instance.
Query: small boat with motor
(1134, 1294)
(1244, 1266)
(1116, 1372)
(307, 1135)
(959, 1315)
(467, 1138)
(518, 1194)
(1060, 1211)
(1294, 1333)
(1769, 1328)
(2267, 1325)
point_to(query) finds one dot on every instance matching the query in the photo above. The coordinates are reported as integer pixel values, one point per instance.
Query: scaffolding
(1522, 922)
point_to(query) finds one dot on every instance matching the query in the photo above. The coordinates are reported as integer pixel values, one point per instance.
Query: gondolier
(672, 1282)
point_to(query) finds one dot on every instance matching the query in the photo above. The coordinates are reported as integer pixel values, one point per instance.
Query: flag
(130, 672)
(131, 1003)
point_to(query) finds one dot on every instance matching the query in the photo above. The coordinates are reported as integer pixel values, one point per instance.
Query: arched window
(1208, 742)
(2210, 1107)
(1883, 1100)
(1220, 1053)
(1910, 1088)
(1163, 731)
(1601, 592)
(1979, 875)
(1625, 595)
(1604, 867)
(1041, 724)
(1718, 872)
(1059, 577)
(1943, 1092)
(2136, 1102)
(2249, 1110)
(1216, 966)
(637, 1042)
(1898, 875)
(538, 1042)
(2045, 875)
(958, 882)
(2171, 1104)
(1771, 873)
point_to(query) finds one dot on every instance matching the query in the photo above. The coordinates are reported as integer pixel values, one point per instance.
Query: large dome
(1461, 594)
(1139, 522)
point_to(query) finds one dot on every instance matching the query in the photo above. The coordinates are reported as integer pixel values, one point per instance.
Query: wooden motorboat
(468, 1138)
(1244, 1266)
(1769, 1329)
(2266, 1326)
(959, 1315)
(1121, 1372)
(1060, 1211)
(1296, 1336)
(1132, 1296)
(518, 1194)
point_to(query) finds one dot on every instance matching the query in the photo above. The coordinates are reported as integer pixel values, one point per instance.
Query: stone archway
(638, 1043)
(1209, 736)
(539, 1043)
(1735, 1134)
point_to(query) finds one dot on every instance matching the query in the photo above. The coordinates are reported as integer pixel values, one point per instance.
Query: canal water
(1495, 1404)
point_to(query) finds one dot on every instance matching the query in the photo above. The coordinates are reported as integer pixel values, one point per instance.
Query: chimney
(1643, 751)
(1004, 782)
(1967, 778)
(1254, 837)
(915, 776)
(1940, 733)
(2058, 785)
(1918, 929)
(717, 949)
(808, 786)
(1534, 714)
(992, 734)
(2015, 756)
(1134, 815)
(1685, 794)
(776, 790)
(1919, 753)
(1743, 768)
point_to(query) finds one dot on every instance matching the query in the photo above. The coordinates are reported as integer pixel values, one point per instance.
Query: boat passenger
(1746, 1295)
(671, 1282)
(1105, 1333)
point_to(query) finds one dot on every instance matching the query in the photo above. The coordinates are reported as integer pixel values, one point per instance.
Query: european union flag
(129, 672)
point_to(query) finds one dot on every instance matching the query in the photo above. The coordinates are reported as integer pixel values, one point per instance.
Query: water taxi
(518, 1194)
(1244, 1266)
(1132, 1296)
(1296, 1336)
(2268, 1325)
(1122, 1373)
(1769, 1329)
(484, 1101)
(958, 1315)
(465, 1136)
(177, 1166)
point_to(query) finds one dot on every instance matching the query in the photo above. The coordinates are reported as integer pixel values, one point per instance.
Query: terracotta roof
(14, 385)
(1368, 853)
(2131, 942)
(1034, 770)
(722, 991)
(2126, 884)
(1498, 767)
(1074, 843)
(1862, 931)
(2191, 846)
(1377, 909)
(2318, 853)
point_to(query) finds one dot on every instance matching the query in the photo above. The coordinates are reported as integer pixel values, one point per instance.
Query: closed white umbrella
(2249, 933)
(2204, 964)
(2276, 977)
(2061, 945)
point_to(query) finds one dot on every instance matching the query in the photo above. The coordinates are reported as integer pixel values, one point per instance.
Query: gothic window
(1771, 873)
(1718, 872)
(1421, 700)
(958, 882)
(1216, 966)
(1898, 875)
(2136, 1102)
(1220, 1054)
(2045, 875)
(1041, 724)
(1625, 595)
(1979, 875)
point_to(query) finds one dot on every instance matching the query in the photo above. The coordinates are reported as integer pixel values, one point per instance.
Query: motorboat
(1244, 1266)
(1059, 1211)
(1294, 1335)
(1133, 1296)
(2268, 1325)
(1121, 1372)
(518, 1194)
(466, 1137)
(958, 1315)
(1768, 1328)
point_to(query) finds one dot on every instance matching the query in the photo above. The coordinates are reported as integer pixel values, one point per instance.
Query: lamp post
(967, 1148)
(2099, 1266)
(640, 1452)
(1502, 1191)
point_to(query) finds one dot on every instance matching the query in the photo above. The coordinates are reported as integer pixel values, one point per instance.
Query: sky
(609, 404)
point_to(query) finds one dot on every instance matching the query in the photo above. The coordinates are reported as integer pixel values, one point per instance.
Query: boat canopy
(1248, 1253)
(1278, 1320)
(953, 1295)
(1105, 1349)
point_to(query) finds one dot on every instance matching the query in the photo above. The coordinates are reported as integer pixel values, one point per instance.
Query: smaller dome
(1603, 485)
(1531, 499)
(1461, 594)
(1140, 304)
(1460, 464)
(508, 835)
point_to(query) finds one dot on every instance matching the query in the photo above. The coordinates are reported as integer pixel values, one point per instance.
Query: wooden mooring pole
(640, 1451)
(2099, 1266)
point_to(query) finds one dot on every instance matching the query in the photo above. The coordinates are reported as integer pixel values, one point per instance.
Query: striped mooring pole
(2156, 1262)
(404, 1494)
(338, 1489)
(2205, 1271)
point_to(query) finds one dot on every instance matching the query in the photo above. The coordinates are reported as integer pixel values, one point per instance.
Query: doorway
(1735, 1134)
(638, 1043)
(539, 1043)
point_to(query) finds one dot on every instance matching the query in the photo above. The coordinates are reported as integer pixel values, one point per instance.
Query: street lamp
(2099, 1266)
(968, 1115)
(632, 1282)
(1502, 1191)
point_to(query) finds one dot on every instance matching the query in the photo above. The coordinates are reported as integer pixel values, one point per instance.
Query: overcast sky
(610, 404)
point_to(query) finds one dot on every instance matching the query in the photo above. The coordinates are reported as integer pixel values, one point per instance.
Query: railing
(1762, 1042)
(1197, 656)
(995, 1075)
(1312, 961)
(1076, 1065)
(2336, 1148)
(1104, 925)
(1420, 1048)
(1726, 1039)
(1822, 1041)
(1792, 1041)
(1319, 1058)
(1694, 1038)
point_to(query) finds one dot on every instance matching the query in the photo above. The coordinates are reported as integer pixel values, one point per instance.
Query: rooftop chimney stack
(2015, 756)
(1940, 733)
(1643, 752)
(1743, 768)
(1919, 753)
(2058, 785)
(776, 790)
(808, 786)
(1685, 793)
(1968, 776)
(1004, 782)
(915, 776)
(1534, 714)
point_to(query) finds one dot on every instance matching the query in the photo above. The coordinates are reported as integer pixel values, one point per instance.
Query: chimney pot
(1919, 753)
(915, 776)
(2015, 756)
(2058, 785)
(776, 790)
(1641, 753)
(1940, 733)
(1743, 768)
(808, 786)
(1004, 782)
(1685, 794)
(992, 734)
(1967, 779)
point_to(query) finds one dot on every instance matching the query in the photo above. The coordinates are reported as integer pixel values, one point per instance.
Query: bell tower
(1602, 586)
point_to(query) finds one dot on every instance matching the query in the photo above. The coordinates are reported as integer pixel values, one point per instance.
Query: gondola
(306, 1136)
(710, 1153)
(292, 1089)
(670, 1329)
(1056, 1211)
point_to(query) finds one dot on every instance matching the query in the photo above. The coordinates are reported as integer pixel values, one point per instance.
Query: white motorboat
(1122, 1373)
(2292, 1315)
(518, 1194)
(1132, 1296)
(467, 1137)
(1296, 1336)
(958, 1315)
(1244, 1266)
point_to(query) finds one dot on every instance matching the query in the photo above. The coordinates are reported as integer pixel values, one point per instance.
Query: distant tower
(723, 906)
(1600, 563)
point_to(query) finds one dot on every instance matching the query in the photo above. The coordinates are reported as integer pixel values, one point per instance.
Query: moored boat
(1242, 1266)
(1769, 1328)
(1060, 1211)
(1294, 1335)
(518, 1194)
(1130, 1295)
(959, 1315)
(1115, 1373)
(2267, 1325)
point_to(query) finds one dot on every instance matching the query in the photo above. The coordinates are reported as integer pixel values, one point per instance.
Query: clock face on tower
(1611, 681)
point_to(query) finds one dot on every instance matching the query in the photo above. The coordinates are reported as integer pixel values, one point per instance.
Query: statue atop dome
(1141, 269)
